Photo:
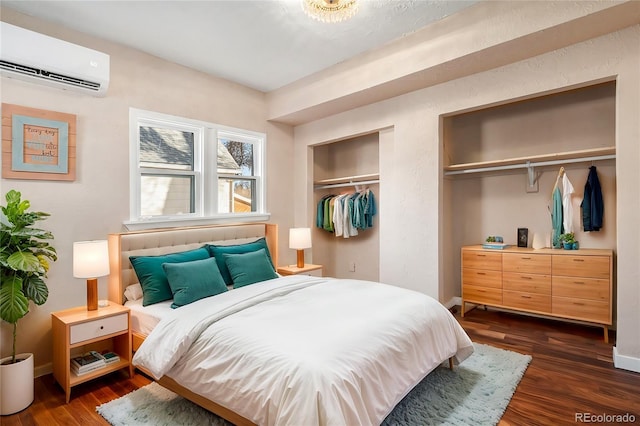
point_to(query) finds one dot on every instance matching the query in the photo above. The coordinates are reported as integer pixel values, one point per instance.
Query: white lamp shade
(90, 259)
(300, 238)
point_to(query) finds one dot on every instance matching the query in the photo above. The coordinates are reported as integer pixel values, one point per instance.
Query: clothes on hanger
(567, 207)
(556, 217)
(345, 214)
(556, 210)
(592, 203)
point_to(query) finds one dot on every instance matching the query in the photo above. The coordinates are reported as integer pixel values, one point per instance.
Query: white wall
(412, 226)
(97, 202)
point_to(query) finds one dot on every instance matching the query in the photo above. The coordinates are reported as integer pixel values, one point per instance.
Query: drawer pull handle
(578, 260)
(578, 303)
(526, 297)
(525, 258)
(526, 278)
(481, 255)
(578, 282)
(482, 273)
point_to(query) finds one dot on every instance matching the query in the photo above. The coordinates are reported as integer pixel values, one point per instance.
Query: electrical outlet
(352, 266)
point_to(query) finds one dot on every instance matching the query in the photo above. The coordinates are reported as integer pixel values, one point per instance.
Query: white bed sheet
(302, 350)
(145, 318)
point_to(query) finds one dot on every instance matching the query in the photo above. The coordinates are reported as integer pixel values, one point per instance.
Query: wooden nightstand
(308, 269)
(77, 331)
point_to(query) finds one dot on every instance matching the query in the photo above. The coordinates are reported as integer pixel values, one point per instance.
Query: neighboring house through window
(185, 170)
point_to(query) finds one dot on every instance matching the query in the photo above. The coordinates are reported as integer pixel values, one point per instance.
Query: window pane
(166, 148)
(236, 196)
(166, 195)
(235, 158)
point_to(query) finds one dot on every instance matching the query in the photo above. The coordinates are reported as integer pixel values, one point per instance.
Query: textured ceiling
(260, 44)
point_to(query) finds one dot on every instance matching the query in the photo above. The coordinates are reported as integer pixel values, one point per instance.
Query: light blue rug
(476, 392)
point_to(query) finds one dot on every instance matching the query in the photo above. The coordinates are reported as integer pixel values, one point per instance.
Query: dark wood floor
(571, 372)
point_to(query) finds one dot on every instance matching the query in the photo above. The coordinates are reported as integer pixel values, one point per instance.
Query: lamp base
(92, 294)
(300, 263)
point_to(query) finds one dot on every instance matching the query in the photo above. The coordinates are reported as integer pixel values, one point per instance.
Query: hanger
(560, 174)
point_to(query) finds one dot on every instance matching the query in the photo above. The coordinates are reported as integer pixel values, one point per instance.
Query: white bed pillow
(133, 292)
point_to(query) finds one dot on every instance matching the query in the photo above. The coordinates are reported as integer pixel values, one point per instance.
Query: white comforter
(302, 350)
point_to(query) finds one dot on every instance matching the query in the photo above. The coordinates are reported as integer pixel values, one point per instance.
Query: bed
(285, 350)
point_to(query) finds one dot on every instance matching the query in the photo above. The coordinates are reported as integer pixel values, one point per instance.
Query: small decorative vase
(567, 246)
(576, 246)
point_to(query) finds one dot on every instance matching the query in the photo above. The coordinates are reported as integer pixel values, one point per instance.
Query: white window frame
(205, 171)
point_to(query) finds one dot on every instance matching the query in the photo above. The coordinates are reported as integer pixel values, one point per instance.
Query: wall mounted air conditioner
(35, 57)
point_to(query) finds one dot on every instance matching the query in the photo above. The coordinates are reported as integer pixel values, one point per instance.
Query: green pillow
(219, 251)
(155, 287)
(195, 280)
(249, 268)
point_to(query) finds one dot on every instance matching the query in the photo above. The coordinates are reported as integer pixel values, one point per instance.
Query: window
(185, 169)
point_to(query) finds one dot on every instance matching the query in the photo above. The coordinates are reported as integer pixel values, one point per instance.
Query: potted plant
(24, 260)
(568, 241)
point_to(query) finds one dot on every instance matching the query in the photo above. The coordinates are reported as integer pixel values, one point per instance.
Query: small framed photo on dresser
(523, 237)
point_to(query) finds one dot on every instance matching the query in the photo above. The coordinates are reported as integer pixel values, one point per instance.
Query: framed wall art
(38, 144)
(523, 237)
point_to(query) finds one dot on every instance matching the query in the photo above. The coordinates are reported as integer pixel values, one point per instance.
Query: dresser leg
(606, 333)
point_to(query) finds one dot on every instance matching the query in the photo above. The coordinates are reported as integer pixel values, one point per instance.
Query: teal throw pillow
(249, 268)
(155, 287)
(195, 280)
(219, 251)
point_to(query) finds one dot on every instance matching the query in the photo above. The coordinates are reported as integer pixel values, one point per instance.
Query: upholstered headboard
(172, 240)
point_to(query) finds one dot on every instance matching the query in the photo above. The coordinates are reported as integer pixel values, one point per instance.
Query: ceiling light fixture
(330, 10)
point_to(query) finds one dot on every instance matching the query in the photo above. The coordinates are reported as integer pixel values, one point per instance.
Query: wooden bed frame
(172, 240)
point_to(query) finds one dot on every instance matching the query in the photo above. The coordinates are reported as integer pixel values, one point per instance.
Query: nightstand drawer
(97, 328)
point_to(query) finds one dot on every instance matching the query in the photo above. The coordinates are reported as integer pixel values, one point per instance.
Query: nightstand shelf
(77, 331)
(307, 269)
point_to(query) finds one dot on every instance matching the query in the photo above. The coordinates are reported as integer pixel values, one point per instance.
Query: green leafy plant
(568, 238)
(24, 257)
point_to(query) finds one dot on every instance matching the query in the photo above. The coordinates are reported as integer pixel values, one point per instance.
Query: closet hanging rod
(338, 185)
(528, 165)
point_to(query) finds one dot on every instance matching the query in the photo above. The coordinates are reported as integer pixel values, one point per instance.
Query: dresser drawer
(98, 328)
(530, 263)
(482, 260)
(581, 309)
(581, 288)
(527, 301)
(481, 278)
(490, 296)
(581, 266)
(528, 283)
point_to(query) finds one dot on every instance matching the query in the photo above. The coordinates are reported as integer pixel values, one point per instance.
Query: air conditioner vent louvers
(45, 75)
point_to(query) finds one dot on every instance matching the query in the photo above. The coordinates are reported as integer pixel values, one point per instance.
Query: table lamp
(300, 239)
(90, 261)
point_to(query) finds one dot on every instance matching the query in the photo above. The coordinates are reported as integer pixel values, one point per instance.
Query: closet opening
(488, 188)
(350, 168)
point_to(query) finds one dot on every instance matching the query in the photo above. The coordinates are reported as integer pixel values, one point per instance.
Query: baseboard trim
(453, 302)
(625, 362)
(43, 370)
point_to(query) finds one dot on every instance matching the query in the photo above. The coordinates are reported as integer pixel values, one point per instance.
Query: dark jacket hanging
(592, 203)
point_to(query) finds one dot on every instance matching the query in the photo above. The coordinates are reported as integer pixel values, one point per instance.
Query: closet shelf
(347, 181)
(584, 155)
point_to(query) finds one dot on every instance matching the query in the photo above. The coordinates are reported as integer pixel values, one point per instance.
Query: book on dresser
(85, 363)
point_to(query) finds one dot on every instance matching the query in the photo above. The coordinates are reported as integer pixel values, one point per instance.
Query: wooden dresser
(569, 284)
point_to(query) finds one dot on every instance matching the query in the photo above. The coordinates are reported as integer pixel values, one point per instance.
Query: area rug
(476, 392)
